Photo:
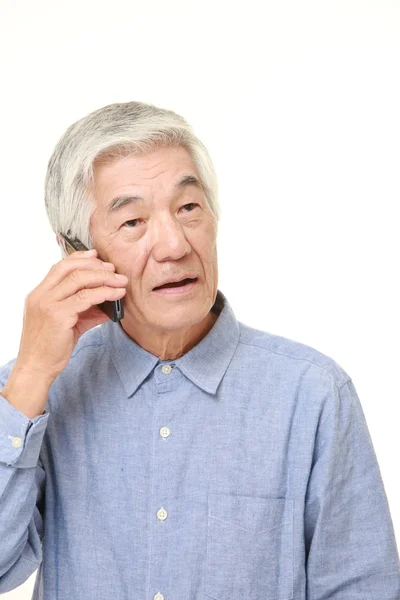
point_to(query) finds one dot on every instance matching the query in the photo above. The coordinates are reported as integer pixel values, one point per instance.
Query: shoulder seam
(333, 407)
(345, 383)
(296, 358)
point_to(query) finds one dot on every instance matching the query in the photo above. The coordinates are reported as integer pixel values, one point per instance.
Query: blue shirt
(244, 470)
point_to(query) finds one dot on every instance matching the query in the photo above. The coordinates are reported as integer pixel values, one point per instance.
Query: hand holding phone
(115, 309)
(60, 309)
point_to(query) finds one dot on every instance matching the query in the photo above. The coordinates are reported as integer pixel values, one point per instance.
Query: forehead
(159, 169)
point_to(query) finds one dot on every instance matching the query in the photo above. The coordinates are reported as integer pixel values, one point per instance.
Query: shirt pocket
(249, 550)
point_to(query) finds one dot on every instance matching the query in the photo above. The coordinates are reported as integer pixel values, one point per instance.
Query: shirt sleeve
(350, 542)
(22, 480)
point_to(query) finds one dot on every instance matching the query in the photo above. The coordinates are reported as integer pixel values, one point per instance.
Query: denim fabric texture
(244, 470)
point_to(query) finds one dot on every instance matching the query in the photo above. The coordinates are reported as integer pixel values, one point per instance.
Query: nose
(169, 240)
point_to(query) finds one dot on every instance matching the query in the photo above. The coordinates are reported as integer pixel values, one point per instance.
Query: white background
(298, 103)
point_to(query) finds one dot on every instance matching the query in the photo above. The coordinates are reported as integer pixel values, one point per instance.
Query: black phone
(113, 309)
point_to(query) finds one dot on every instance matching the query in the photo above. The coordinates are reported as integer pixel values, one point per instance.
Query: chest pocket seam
(243, 538)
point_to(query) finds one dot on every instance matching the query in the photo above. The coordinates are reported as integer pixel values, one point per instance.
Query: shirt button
(164, 432)
(158, 596)
(162, 514)
(166, 369)
(17, 442)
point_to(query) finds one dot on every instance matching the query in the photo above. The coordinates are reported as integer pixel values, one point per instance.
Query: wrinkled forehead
(165, 172)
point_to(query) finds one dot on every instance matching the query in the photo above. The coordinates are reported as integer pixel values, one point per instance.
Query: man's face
(169, 234)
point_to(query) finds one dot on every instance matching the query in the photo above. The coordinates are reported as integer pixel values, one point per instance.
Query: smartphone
(113, 309)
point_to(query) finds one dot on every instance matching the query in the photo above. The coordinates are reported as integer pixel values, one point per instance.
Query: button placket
(165, 388)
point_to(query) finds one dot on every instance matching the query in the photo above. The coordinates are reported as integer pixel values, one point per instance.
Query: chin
(177, 315)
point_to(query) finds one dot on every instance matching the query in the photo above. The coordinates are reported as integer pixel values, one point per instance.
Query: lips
(176, 283)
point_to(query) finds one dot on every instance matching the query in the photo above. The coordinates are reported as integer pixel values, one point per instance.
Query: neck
(167, 345)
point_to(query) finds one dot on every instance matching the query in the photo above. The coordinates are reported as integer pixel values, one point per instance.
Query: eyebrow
(120, 201)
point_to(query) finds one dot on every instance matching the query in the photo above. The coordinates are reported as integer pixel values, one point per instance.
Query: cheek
(131, 262)
(205, 236)
(204, 244)
(208, 256)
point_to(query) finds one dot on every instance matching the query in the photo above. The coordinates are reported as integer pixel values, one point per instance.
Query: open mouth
(175, 284)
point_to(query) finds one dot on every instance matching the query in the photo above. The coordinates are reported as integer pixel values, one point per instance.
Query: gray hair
(109, 133)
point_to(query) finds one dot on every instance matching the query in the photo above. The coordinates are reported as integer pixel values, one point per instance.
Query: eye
(190, 204)
(131, 221)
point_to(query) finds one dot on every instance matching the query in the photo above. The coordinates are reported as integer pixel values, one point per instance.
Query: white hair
(109, 133)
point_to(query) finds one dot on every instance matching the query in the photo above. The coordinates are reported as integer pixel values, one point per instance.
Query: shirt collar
(204, 364)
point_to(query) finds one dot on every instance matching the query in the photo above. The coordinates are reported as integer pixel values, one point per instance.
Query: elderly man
(177, 454)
